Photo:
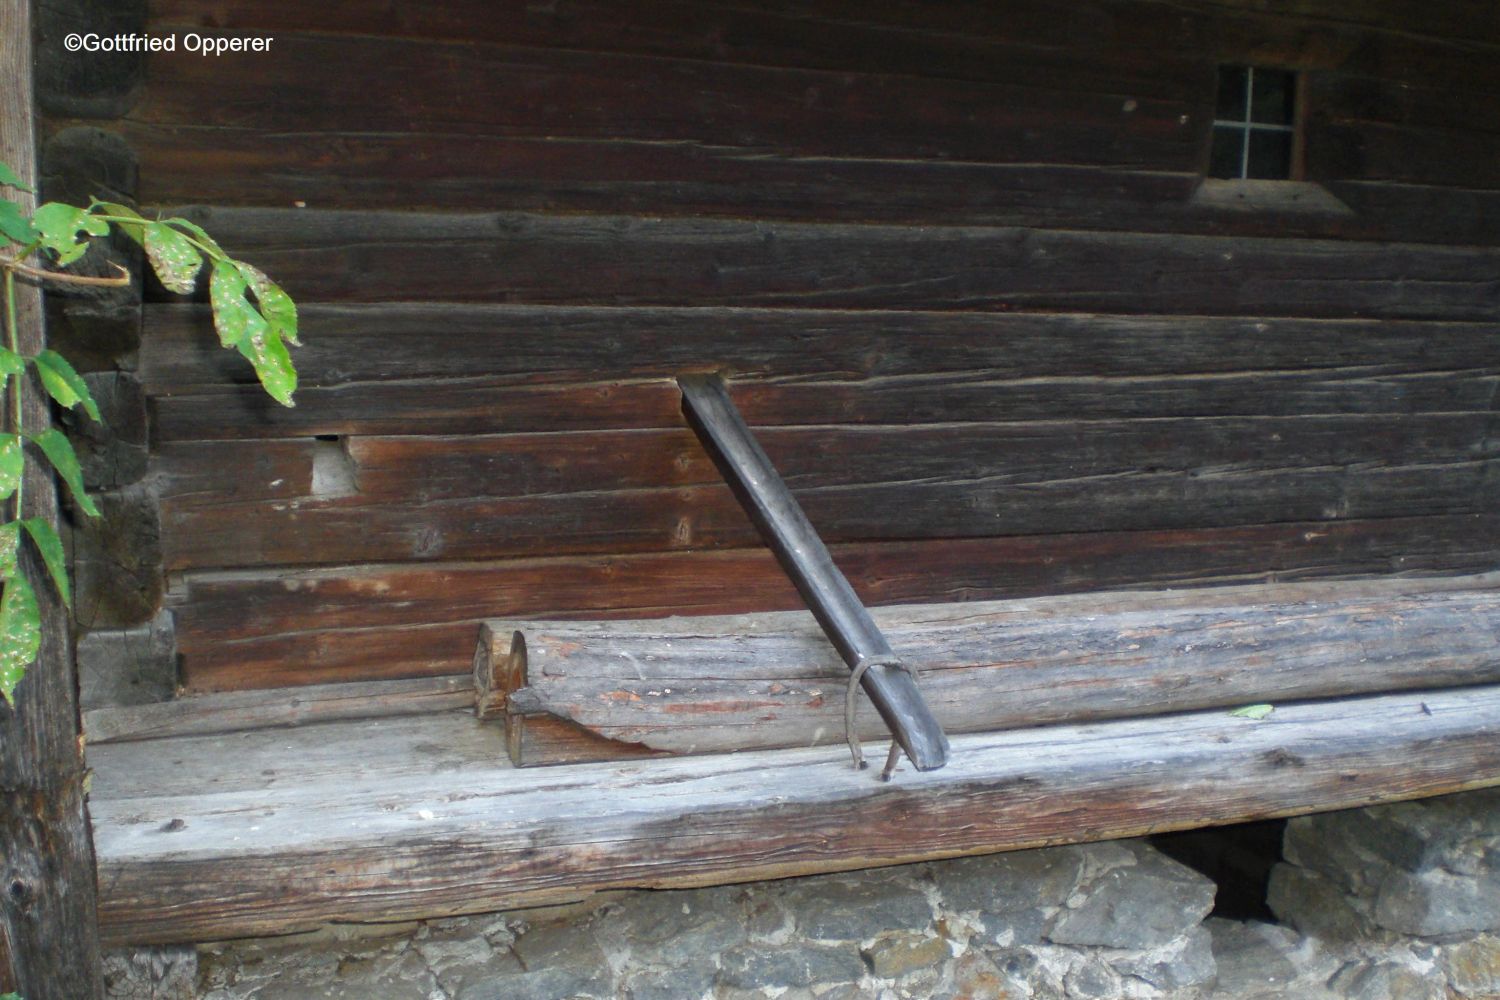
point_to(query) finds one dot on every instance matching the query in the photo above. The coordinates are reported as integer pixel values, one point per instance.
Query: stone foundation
(1398, 901)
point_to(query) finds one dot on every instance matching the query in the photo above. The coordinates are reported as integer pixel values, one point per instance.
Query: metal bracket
(803, 556)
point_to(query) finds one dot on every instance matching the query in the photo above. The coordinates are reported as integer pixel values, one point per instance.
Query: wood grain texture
(621, 260)
(287, 627)
(48, 904)
(741, 682)
(429, 368)
(481, 498)
(277, 708)
(326, 844)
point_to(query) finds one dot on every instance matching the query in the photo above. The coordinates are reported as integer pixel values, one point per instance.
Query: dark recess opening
(1238, 858)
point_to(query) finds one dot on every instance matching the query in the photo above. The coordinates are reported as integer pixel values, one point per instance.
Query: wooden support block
(235, 852)
(740, 682)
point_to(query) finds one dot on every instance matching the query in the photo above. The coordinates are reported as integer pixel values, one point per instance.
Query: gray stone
(855, 908)
(685, 982)
(1472, 968)
(1091, 978)
(1383, 981)
(977, 977)
(554, 945)
(558, 983)
(1252, 957)
(805, 965)
(674, 928)
(1314, 905)
(1436, 902)
(1152, 902)
(1008, 883)
(900, 953)
(134, 666)
(151, 974)
(1016, 928)
(1187, 964)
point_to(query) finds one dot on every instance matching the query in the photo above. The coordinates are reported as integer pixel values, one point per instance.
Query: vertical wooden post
(48, 895)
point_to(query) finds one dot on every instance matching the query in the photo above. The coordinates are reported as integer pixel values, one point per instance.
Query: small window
(1255, 124)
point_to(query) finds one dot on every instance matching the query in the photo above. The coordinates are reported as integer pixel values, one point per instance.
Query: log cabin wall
(958, 260)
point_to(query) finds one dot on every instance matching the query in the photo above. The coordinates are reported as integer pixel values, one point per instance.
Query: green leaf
(197, 231)
(55, 445)
(275, 305)
(50, 547)
(14, 225)
(20, 633)
(10, 548)
(273, 365)
(135, 229)
(1253, 711)
(234, 317)
(9, 179)
(59, 226)
(63, 383)
(12, 464)
(175, 260)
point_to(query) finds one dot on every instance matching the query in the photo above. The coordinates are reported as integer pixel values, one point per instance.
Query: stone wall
(1399, 901)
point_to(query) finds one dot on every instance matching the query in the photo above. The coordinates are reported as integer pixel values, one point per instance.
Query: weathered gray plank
(240, 710)
(717, 684)
(399, 846)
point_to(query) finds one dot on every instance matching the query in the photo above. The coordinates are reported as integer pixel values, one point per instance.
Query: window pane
(1231, 102)
(1270, 155)
(1272, 101)
(1228, 149)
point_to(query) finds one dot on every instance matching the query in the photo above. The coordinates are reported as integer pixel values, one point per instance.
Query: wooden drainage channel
(709, 750)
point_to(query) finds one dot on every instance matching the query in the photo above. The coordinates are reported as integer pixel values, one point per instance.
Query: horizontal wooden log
(327, 840)
(472, 369)
(749, 682)
(288, 627)
(618, 260)
(242, 710)
(371, 84)
(418, 499)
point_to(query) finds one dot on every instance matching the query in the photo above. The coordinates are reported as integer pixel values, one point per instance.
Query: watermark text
(206, 45)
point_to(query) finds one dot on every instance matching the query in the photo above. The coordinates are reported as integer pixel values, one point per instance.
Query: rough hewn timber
(47, 890)
(279, 708)
(622, 260)
(296, 852)
(434, 368)
(745, 682)
(654, 490)
(276, 627)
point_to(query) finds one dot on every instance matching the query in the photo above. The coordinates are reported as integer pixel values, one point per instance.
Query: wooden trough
(391, 800)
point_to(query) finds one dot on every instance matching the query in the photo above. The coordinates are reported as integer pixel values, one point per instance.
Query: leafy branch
(251, 314)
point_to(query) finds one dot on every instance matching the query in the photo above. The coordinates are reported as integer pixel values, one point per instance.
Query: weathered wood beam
(47, 893)
(290, 854)
(235, 711)
(717, 684)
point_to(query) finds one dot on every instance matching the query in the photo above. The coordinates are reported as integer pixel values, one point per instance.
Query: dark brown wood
(289, 627)
(570, 94)
(745, 682)
(474, 369)
(321, 841)
(605, 260)
(643, 491)
(47, 890)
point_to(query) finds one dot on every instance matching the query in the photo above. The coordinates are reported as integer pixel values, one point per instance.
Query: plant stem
(13, 341)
